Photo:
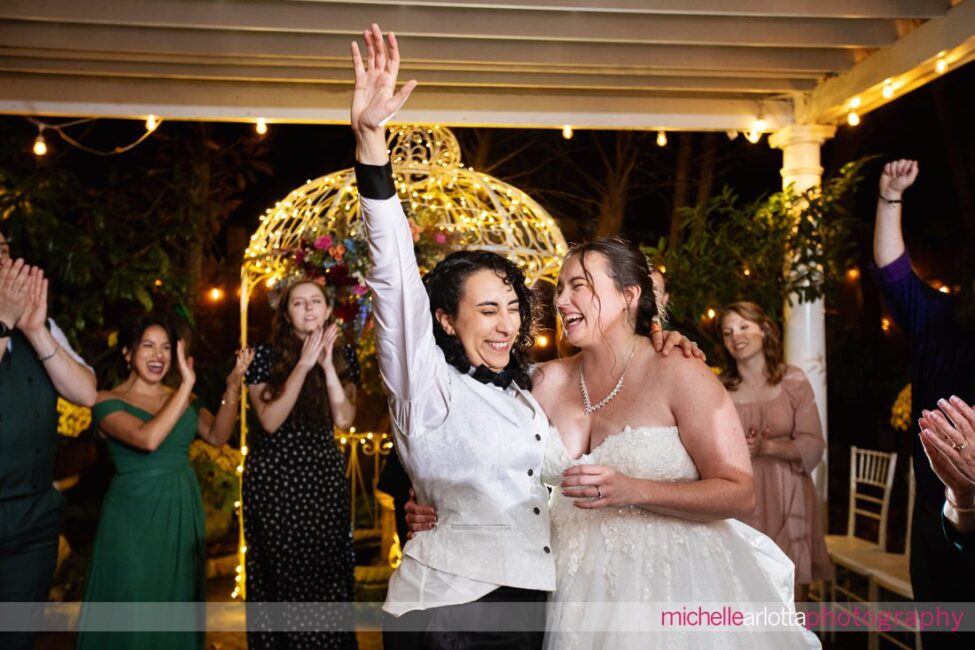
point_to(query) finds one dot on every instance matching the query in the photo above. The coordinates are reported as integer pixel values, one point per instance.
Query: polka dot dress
(299, 537)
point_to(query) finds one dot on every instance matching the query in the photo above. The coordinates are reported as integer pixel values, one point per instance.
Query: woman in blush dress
(785, 439)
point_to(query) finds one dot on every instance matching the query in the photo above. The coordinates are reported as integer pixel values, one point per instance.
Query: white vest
(481, 470)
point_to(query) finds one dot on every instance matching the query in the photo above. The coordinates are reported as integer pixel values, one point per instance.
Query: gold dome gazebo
(437, 190)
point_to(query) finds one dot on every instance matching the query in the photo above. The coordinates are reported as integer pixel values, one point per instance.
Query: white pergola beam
(260, 70)
(460, 23)
(241, 101)
(909, 63)
(823, 8)
(125, 40)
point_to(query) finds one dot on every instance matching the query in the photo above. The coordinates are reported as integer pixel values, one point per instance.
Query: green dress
(150, 545)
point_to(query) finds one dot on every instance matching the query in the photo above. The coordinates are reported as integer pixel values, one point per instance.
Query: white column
(805, 324)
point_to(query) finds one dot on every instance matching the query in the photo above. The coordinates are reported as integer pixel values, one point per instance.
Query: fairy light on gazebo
(471, 209)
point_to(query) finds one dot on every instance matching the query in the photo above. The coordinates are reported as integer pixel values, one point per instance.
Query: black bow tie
(487, 376)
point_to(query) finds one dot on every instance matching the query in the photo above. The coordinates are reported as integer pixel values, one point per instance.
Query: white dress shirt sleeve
(62, 340)
(412, 366)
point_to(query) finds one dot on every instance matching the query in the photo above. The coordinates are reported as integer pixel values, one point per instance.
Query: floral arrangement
(338, 260)
(900, 413)
(72, 419)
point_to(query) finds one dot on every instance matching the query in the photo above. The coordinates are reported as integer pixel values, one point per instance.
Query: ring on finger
(599, 492)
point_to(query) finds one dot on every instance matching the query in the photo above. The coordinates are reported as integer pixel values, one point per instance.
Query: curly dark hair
(312, 407)
(445, 287)
(627, 266)
(771, 344)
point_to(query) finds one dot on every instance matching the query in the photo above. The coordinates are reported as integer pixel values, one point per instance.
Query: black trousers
(940, 573)
(507, 618)
(29, 530)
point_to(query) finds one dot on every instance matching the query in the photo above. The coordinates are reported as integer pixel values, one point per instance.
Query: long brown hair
(312, 407)
(771, 344)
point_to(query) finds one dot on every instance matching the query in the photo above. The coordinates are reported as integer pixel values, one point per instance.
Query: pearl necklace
(587, 405)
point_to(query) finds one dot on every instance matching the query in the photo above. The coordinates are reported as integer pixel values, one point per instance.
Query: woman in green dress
(150, 546)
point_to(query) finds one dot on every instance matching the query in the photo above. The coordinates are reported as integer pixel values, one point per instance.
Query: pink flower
(300, 257)
(440, 238)
(361, 290)
(323, 242)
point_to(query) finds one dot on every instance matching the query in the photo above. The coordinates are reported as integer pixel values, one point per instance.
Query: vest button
(536, 511)
(538, 436)
(547, 549)
(531, 472)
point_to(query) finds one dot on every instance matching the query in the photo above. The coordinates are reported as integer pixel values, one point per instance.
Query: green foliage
(129, 237)
(788, 244)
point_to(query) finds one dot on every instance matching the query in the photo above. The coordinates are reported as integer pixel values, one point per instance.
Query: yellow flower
(900, 413)
(72, 419)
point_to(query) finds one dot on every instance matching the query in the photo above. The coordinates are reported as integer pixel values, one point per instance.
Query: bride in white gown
(646, 483)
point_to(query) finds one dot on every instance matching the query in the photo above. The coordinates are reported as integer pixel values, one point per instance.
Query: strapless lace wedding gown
(626, 578)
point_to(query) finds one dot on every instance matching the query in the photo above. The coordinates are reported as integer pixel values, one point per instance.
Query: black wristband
(375, 181)
(889, 201)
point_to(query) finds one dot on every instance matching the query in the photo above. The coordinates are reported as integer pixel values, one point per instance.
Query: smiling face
(590, 306)
(151, 357)
(742, 338)
(307, 308)
(487, 320)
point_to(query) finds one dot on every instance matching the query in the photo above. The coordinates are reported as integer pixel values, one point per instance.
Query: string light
(941, 65)
(888, 90)
(541, 341)
(852, 118)
(261, 126)
(151, 123)
(885, 324)
(853, 274)
(40, 147)
(661, 138)
(567, 132)
(754, 134)
(215, 294)
(711, 313)
(855, 103)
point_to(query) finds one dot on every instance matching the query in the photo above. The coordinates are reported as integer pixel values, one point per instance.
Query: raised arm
(375, 99)
(411, 364)
(888, 239)
(150, 434)
(216, 429)
(72, 380)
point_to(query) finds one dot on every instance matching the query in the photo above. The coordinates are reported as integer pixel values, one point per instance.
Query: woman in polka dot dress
(296, 497)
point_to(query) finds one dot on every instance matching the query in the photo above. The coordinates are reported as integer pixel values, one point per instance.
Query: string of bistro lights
(759, 126)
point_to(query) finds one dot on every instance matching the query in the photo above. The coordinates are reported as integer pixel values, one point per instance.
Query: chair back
(871, 473)
(911, 493)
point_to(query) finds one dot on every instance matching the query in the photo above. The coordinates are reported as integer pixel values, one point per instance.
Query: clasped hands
(318, 347)
(23, 295)
(948, 437)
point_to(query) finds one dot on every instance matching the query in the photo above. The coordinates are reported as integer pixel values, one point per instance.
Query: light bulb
(151, 123)
(855, 103)
(261, 126)
(567, 132)
(661, 138)
(853, 119)
(941, 66)
(40, 147)
(888, 90)
(753, 136)
(759, 125)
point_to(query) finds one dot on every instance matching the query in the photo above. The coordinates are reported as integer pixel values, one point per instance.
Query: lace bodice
(641, 452)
